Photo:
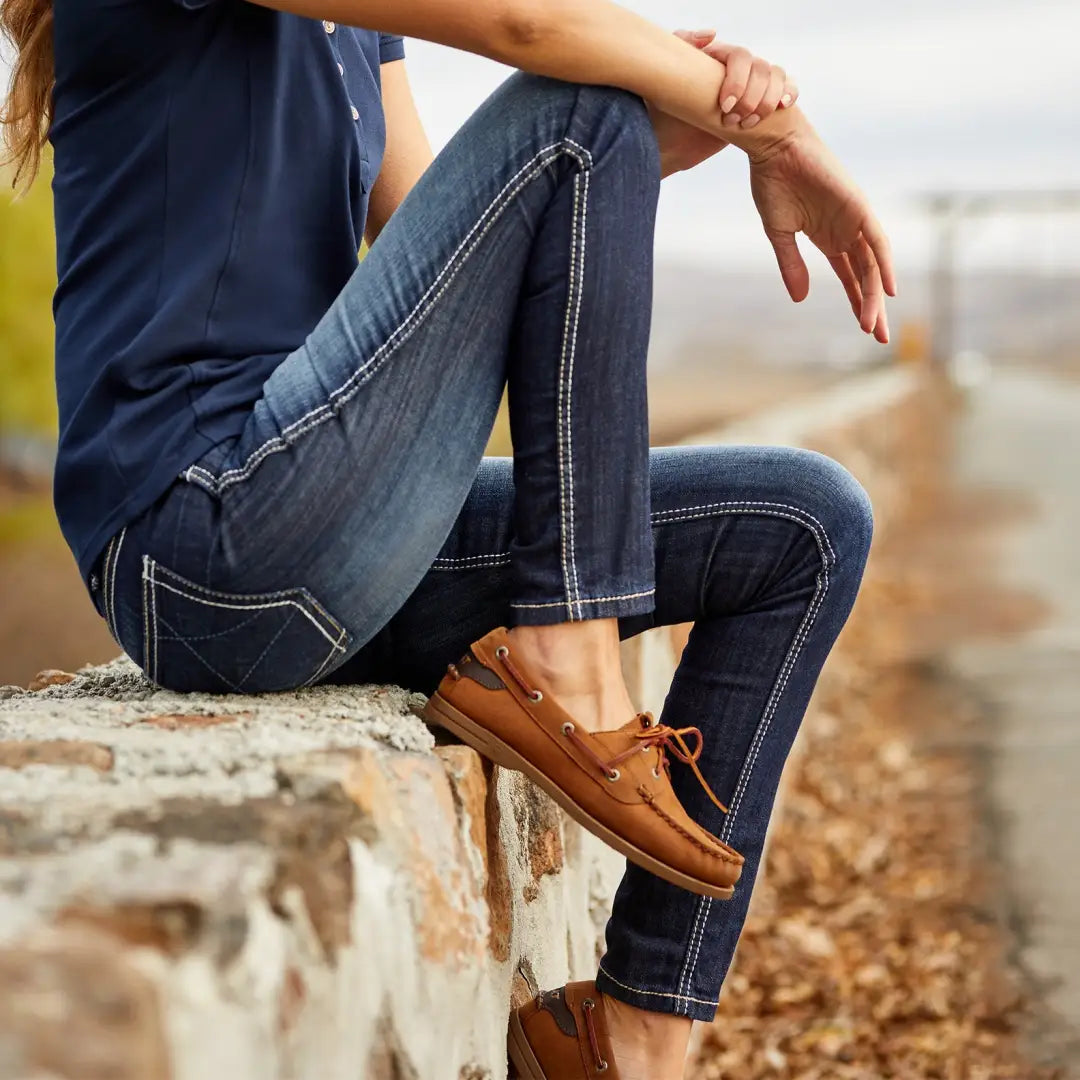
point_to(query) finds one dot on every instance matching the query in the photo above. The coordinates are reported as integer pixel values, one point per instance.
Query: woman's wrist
(767, 139)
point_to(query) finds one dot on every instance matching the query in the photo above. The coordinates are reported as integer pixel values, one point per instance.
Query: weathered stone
(65, 752)
(309, 841)
(178, 721)
(71, 1006)
(49, 678)
(10, 692)
(171, 928)
(291, 1002)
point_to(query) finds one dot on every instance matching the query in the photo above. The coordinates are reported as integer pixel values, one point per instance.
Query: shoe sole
(520, 1052)
(439, 711)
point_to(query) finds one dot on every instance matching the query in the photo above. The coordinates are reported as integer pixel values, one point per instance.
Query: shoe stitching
(723, 856)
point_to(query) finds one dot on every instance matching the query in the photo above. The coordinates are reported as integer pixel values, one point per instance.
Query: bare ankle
(579, 665)
(647, 1044)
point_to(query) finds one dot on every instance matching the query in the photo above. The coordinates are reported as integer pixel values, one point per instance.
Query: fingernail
(785, 100)
(729, 104)
(731, 120)
(750, 121)
(701, 35)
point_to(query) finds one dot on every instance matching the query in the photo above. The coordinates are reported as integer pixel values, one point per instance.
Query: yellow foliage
(27, 283)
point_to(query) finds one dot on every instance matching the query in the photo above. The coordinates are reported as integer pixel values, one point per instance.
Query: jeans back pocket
(199, 639)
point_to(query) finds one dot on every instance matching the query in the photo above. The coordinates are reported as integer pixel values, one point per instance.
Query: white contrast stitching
(593, 600)
(154, 619)
(146, 618)
(819, 535)
(105, 583)
(693, 935)
(581, 179)
(564, 439)
(344, 393)
(246, 607)
(322, 667)
(115, 625)
(657, 993)
(746, 502)
(471, 562)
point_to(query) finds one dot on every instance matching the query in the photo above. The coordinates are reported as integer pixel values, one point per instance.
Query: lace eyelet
(536, 695)
(656, 773)
(602, 1067)
(502, 652)
(588, 1003)
(567, 728)
(614, 775)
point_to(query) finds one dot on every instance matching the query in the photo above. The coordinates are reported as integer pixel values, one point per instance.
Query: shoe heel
(439, 711)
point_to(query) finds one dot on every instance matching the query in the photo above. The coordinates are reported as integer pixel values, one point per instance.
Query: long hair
(27, 113)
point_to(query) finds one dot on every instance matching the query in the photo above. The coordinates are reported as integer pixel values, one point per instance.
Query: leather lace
(663, 737)
(587, 1008)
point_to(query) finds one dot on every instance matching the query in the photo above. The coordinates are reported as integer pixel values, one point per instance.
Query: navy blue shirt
(213, 165)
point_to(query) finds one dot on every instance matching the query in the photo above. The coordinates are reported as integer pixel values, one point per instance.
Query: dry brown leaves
(871, 950)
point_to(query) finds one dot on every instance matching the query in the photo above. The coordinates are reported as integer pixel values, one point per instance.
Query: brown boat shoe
(561, 1035)
(614, 783)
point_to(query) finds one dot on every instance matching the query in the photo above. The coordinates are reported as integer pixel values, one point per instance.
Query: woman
(270, 462)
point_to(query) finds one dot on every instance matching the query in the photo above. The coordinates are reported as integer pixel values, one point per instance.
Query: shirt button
(328, 26)
(355, 113)
(341, 69)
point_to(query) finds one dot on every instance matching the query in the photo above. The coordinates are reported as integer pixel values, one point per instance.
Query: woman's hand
(799, 186)
(682, 145)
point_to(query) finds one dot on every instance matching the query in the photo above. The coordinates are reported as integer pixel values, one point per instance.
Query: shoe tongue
(619, 739)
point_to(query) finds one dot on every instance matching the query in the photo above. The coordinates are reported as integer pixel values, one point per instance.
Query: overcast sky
(912, 94)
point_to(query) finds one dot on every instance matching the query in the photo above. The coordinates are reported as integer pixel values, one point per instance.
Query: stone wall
(303, 885)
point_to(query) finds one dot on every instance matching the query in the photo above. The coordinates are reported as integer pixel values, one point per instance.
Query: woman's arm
(408, 152)
(585, 41)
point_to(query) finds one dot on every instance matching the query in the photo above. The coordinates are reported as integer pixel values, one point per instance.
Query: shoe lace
(588, 1006)
(664, 738)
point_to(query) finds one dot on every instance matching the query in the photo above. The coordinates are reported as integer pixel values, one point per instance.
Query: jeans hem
(658, 1001)
(545, 613)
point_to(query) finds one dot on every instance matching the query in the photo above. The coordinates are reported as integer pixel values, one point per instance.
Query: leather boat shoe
(614, 783)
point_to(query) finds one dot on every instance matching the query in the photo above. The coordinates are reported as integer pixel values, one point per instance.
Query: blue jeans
(353, 530)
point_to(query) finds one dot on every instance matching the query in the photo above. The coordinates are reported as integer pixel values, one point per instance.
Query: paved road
(1023, 433)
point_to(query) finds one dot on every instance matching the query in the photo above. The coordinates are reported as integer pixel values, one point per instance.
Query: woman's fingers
(770, 100)
(747, 106)
(879, 244)
(872, 317)
(698, 38)
(740, 63)
(842, 265)
(792, 267)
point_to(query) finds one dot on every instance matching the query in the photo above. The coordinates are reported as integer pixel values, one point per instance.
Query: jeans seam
(106, 563)
(822, 542)
(338, 645)
(655, 993)
(344, 393)
(593, 600)
(564, 422)
(472, 562)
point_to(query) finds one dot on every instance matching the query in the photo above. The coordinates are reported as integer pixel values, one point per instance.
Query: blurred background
(960, 121)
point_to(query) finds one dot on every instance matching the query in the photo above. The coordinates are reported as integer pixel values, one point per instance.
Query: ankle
(647, 1044)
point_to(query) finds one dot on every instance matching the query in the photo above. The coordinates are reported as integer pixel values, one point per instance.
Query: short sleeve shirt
(213, 163)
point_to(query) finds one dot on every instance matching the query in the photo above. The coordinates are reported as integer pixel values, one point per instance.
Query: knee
(837, 502)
